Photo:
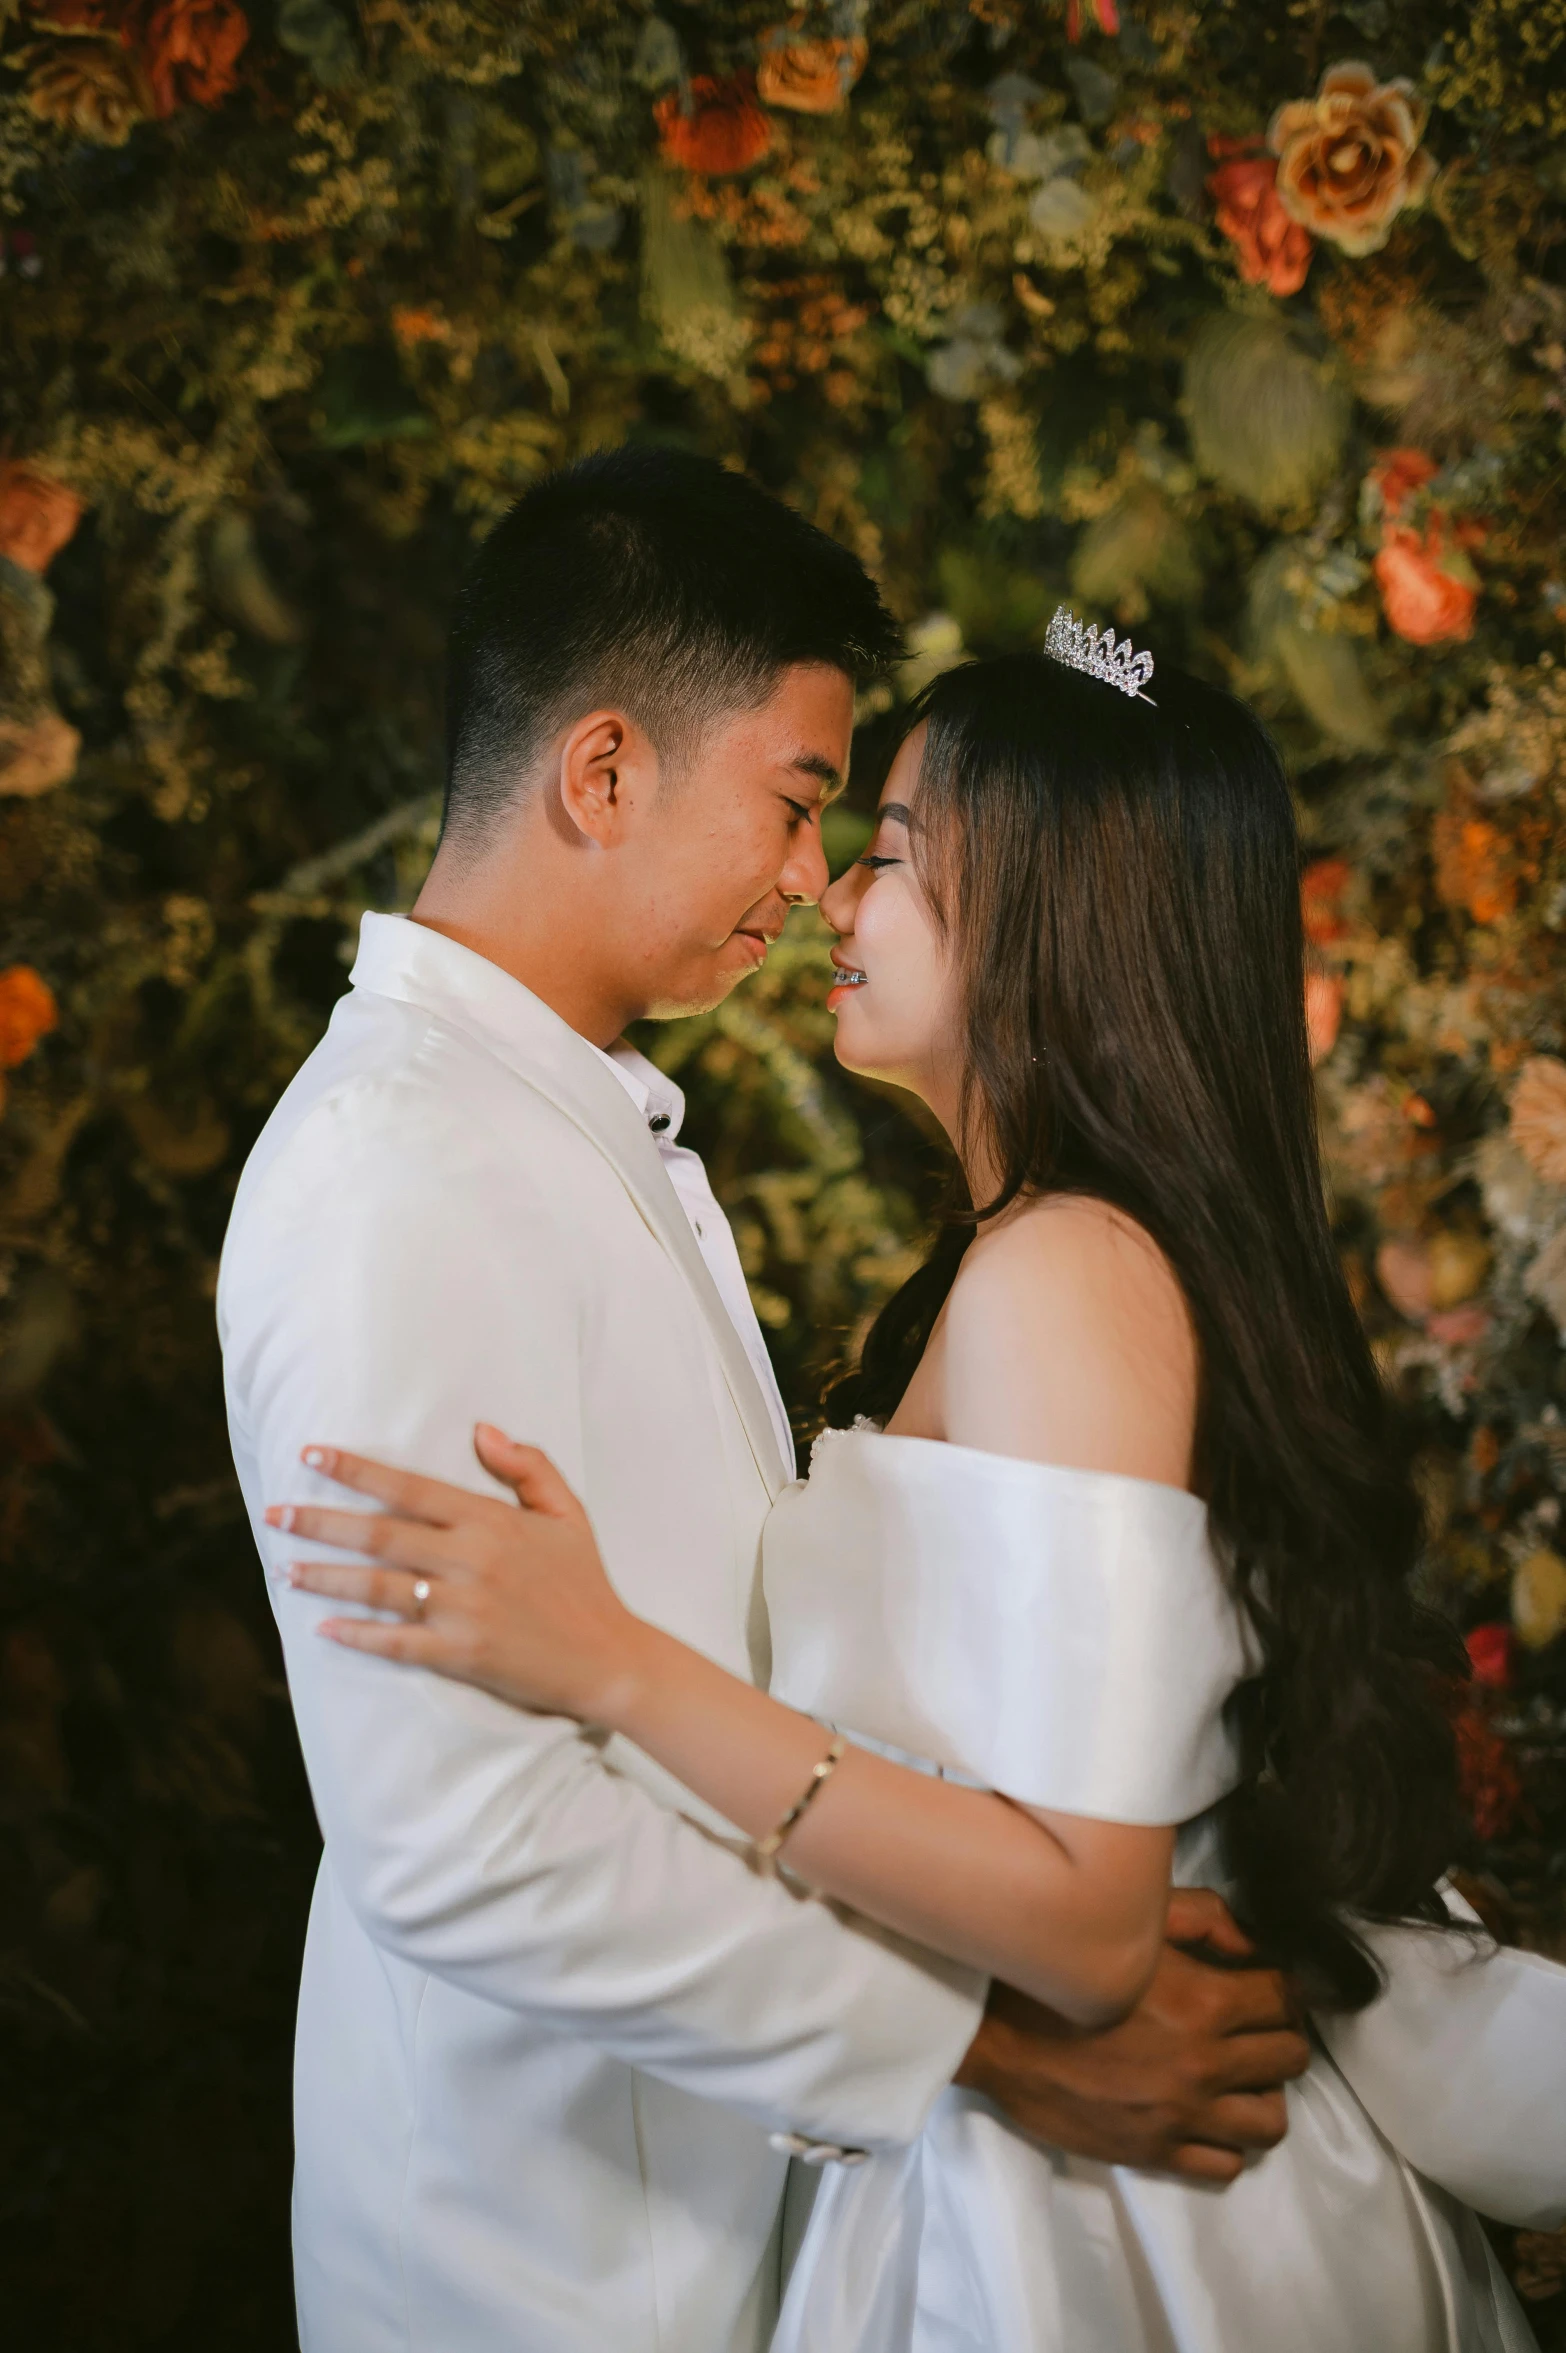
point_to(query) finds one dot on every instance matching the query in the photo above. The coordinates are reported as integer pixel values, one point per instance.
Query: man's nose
(806, 875)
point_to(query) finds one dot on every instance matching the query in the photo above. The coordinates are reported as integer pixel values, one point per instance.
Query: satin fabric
(974, 2241)
(1024, 1614)
(1084, 1665)
(1462, 2062)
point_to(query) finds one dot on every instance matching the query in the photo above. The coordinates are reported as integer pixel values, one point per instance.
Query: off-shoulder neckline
(1010, 1462)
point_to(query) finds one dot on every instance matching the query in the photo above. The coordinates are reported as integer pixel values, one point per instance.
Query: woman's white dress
(1067, 1638)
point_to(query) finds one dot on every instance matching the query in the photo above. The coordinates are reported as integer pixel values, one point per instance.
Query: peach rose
(189, 50)
(1350, 158)
(1272, 250)
(1404, 1272)
(1539, 1116)
(90, 89)
(27, 1012)
(35, 757)
(1459, 1327)
(1425, 600)
(725, 130)
(1323, 1013)
(37, 515)
(808, 76)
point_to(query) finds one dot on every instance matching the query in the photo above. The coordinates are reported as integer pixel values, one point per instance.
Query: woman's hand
(515, 1601)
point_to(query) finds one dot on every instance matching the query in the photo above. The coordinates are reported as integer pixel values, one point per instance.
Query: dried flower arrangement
(1253, 343)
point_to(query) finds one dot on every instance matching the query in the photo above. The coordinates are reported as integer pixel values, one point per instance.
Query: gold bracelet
(765, 1851)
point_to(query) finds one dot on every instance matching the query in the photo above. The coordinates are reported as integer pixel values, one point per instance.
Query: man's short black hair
(648, 579)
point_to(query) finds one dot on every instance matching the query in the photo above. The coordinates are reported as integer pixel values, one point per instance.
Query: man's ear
(608, 767)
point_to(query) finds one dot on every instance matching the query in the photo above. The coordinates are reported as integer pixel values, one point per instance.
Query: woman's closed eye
(876, 863)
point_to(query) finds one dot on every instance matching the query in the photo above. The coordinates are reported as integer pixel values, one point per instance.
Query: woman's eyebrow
(895, 810)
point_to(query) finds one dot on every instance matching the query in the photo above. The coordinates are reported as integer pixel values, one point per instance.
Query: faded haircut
(646, 579)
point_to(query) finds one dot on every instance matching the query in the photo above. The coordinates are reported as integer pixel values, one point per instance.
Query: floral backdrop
(1243, 327)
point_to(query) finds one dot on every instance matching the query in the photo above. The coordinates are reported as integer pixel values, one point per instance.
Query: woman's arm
(1067, 1909)
(1070, 1911)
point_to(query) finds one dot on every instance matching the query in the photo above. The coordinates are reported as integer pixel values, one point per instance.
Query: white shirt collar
(655, 1096)
(399, 957)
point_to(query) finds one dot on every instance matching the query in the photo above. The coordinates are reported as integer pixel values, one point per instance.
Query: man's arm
(495, 1849)
(1190, 2083)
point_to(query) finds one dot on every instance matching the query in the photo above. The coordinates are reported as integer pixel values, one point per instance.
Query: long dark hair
(1131, 957)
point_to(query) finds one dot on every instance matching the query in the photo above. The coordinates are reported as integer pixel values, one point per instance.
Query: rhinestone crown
(1099, 656)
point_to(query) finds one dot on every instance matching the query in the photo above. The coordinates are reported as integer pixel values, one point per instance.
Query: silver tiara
(1102, 658)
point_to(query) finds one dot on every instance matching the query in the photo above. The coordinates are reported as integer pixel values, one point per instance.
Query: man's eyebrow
(817, 764)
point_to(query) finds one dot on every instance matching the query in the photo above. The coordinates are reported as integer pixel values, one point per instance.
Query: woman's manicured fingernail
(316, 1457)
(279, 1515)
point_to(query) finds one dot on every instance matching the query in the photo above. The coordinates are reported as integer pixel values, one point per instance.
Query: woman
(1119, 1531)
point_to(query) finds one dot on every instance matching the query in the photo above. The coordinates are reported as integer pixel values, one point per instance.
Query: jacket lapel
(597, 1103)
(399, 958)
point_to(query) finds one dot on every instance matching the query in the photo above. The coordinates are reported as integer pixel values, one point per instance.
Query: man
(555, 2039)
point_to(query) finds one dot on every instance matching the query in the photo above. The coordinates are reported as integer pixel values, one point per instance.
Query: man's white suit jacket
(548, 2017)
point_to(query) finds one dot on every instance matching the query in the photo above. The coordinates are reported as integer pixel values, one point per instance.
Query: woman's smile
(849, 976)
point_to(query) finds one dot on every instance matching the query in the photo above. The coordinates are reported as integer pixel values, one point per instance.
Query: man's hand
(1190, 2083)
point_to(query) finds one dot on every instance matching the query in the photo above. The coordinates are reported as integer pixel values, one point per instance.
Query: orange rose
(37, 516)
(1350, 159)
(811, 77)
(1397, 474)
(1474, 867)
(1424, 601)
(27, 1012)
(412, 327)
(1272, 250)
(725, 130)
(1321, 891)
(188, 50)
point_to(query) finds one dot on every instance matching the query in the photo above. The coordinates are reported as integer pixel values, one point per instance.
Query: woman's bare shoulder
(1064, 1246)
(1068, 1340)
